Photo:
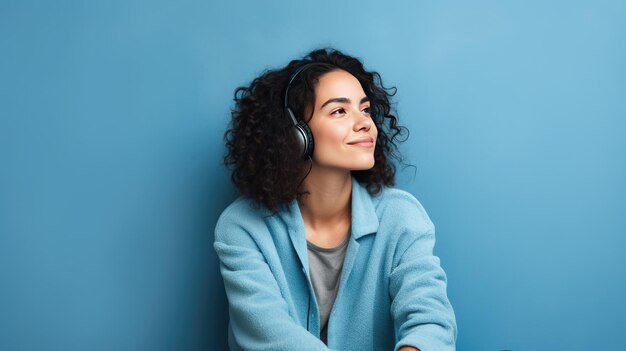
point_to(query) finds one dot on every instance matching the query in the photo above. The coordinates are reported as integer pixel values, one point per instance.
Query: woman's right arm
(259, 315)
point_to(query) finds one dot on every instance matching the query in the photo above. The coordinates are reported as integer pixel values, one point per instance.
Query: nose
(362, 123)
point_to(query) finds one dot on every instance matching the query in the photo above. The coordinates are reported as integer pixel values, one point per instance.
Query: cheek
(341, 131)
(336, 133)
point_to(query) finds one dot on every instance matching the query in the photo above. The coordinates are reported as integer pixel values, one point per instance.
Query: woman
(320, 252)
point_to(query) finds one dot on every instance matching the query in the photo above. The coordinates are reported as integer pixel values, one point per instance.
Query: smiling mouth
(363, 143)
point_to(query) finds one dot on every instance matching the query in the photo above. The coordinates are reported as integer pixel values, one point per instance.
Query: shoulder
(399, 207)
(242, 216)
(404, 224)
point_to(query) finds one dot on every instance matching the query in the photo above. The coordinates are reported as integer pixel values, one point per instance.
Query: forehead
(338, 83)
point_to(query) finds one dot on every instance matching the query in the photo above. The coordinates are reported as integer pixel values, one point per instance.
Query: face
(343, 131)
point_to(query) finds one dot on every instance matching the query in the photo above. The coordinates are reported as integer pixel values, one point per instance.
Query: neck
(328, 201)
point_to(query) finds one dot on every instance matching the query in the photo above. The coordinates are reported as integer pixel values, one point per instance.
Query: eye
(367, 110)
(340, 110)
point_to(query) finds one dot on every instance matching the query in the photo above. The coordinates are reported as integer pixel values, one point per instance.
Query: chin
(364, 166)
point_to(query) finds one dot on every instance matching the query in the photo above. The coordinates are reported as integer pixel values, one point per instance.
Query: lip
(365, 142)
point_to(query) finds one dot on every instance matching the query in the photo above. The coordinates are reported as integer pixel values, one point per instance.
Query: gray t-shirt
(325, 269)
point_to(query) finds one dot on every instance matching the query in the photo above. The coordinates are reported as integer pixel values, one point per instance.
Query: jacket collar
(364, 219)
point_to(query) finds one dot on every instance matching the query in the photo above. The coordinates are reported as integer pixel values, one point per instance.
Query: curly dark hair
(262, 149)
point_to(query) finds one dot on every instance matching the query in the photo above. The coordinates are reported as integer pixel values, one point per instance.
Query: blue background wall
(111, 122)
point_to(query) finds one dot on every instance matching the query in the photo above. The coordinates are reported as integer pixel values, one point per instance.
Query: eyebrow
(343, 100)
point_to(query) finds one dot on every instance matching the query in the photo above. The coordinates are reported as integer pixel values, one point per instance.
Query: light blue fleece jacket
(392, 290)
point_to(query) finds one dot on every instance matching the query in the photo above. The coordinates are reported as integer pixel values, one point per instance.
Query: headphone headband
(301, 130)
(293, 77)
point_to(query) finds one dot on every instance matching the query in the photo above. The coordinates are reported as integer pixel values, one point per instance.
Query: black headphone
(302, 131)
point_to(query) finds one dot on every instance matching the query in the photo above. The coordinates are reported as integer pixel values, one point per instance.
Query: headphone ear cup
(307, 142)
(303, 134)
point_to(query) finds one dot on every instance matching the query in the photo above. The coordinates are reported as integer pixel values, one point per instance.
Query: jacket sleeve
(422, 313)
(259, 317)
